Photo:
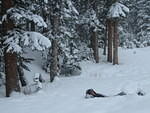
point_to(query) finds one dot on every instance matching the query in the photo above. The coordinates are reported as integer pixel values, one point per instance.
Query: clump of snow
(118, 10)
(56, 78)
(46, 1)
(4, 17)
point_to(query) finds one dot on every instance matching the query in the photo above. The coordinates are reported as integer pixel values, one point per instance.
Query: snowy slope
(66, 95)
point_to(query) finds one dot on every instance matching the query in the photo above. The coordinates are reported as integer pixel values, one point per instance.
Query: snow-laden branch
(15, 40)
(90, 17)
(118, 10)
(20, 15)
(36, 40)
(70, 11)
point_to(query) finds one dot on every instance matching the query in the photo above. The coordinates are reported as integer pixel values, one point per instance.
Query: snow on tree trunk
(54, 60)
(110, 39)
(115, 43)
(12, 82)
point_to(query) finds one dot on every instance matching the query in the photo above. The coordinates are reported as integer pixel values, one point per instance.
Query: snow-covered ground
(66, 94)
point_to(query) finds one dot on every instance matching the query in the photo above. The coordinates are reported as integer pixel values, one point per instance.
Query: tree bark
(12, 82)
(54, 61)
(115, 43)
(55, 20)
(54, 48)
(110, 39)
(94, 45)
(105, 38)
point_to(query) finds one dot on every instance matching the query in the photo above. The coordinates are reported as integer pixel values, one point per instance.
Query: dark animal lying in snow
(90, 93)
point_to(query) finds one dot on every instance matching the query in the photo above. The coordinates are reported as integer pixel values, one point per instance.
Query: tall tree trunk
(12, 83)
(54, 60)
(110, 39)
(115, 43)
(105, 38)
(54, 53)
(10, 58)
(94, 44)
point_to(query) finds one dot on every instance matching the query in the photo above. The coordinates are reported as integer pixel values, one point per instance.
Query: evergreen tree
(70, 46)
(143, 18)
(117, 10)
(14, 36)
(90, 20)
(135, 28)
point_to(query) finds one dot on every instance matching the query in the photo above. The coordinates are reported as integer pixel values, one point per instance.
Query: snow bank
(66, 95)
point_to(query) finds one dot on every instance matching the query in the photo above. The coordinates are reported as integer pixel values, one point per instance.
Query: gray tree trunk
(54, 71)
(54, 60)
(105, 39)
(94, 45)
(110, 39)
(115, 43)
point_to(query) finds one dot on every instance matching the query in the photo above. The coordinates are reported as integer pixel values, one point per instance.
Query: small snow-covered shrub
(36, 86)
(69, 70)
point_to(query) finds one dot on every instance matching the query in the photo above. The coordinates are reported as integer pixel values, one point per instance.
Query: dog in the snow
(90, 93)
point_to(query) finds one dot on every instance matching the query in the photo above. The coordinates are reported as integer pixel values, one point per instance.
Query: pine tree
(91, 25)
(135, 29)
(14, 36)
(117, 10)
(12, 83)
(70, 45)
(143, 18)
(55, 33)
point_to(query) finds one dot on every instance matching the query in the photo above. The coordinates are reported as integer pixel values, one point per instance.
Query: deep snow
(66, 94)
